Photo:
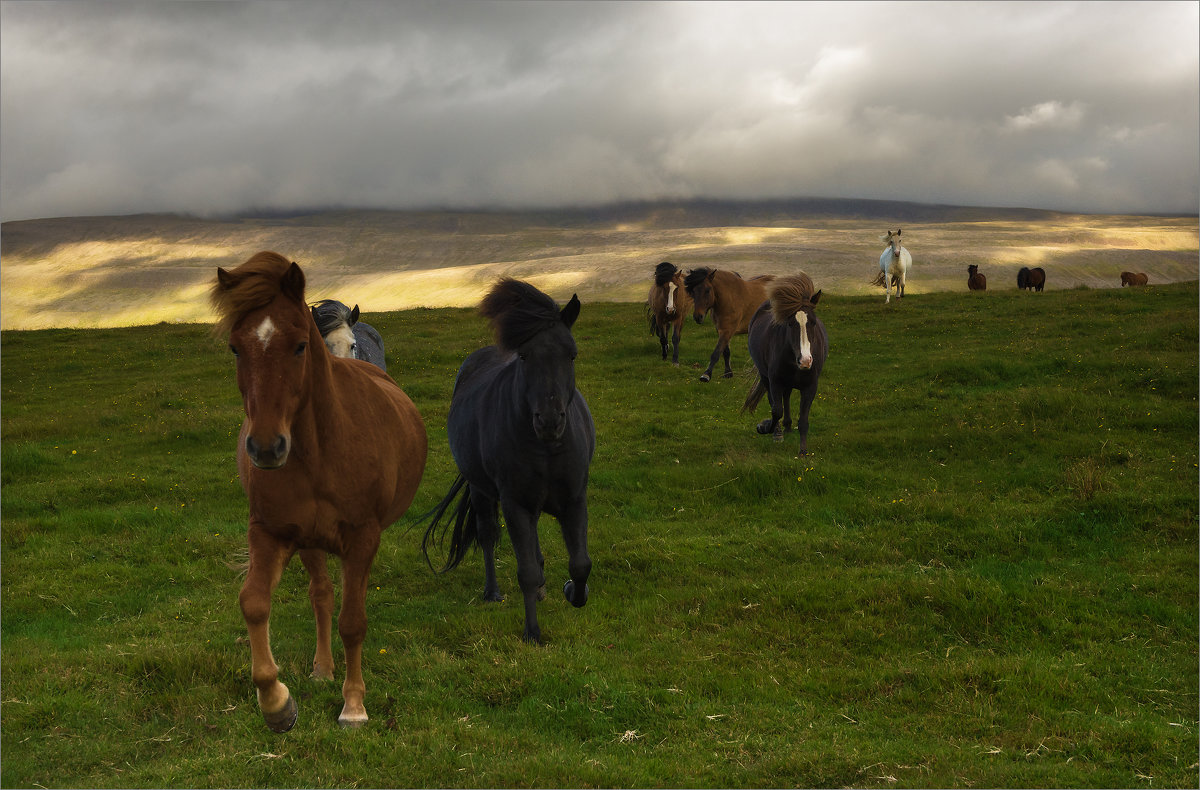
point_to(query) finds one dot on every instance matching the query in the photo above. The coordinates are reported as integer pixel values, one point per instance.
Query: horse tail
(652, 317)
(880, 279)
(754, 395)
(463, 535)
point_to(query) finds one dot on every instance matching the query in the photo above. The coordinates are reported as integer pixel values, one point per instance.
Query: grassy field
(985, 574)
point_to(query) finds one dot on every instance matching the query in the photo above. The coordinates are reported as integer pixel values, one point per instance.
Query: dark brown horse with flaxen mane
(330, 453)
(732, 301)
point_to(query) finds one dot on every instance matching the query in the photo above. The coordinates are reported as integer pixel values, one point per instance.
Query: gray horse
(345, 335)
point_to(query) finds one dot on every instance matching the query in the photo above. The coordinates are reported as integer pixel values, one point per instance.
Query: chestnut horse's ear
(571, 311)
(354, 316)
(225, 279)
(816, 297)
(292, 282)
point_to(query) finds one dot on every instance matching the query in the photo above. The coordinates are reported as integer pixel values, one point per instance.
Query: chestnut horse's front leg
(320, 594)
(268, 558)
(352, 623)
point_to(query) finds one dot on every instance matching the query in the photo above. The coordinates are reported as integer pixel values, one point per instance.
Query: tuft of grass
(985, 572)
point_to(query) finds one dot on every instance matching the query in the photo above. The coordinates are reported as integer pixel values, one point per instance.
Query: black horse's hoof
(704, 377)
(569, 592)
(283, 719)
(764, 427)
(728, 374)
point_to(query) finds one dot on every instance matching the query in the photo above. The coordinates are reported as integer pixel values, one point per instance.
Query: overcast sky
(214, 107)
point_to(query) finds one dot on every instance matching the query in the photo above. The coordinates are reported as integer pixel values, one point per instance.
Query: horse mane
(517, 311)
(664, 272)
(789, 295)
(695, 277)
(329, 315)
(250, 286)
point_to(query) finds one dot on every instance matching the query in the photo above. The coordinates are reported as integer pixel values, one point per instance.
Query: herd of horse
(331, 450)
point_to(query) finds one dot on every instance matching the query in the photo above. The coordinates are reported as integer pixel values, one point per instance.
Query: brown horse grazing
(1031, 279)
(330, 453)
(732, 301)
(668, 306)
(1130, 278)
(975, 280)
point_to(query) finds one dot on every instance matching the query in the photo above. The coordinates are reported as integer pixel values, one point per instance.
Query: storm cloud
(216, 108)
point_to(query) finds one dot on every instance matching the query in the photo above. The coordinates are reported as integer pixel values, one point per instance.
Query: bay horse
(1031, 279)
(732, 301)
(522, 438)
(330, 453)
(667, 306)
(788, 345)
(976, 281)
(894, 263)
(347, 336)
(1133, 279)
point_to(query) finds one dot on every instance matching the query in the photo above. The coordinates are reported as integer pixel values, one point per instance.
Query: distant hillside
(113, 271)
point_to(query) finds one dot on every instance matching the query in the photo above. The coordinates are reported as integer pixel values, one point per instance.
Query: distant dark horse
(522, 437)
(1132, 278)
(789, 346)
(1031, 279)
(732, 301)
(345, 335)
(975, 280)
(667, 306)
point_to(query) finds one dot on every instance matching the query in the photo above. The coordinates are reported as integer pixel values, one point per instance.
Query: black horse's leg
(728, 369)
(522, 531)
(780, 407)
(487, 531)
(767, 425)
(806, 398)
(579, 564)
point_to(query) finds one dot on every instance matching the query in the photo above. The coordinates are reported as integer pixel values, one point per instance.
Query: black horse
(522, 437)
(1031, 279)
(789, 346)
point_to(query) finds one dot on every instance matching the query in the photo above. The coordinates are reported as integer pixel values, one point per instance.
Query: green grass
(985, 574)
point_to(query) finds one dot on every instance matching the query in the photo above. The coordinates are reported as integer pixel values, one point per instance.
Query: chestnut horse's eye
(233, 349)
(300, 349)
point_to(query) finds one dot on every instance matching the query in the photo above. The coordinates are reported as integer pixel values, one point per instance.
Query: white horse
(893, 265)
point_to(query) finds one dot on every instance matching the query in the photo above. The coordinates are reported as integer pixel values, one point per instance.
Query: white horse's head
(892, 239)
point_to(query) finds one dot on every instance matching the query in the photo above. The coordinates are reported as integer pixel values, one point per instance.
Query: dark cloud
(204, 107)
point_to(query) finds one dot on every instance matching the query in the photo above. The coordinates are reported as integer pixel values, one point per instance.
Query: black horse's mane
(329, 315)
(663, 273)
(517, 311)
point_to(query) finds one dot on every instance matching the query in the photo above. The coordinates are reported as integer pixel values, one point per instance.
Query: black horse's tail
(754, 395)
(463, 535)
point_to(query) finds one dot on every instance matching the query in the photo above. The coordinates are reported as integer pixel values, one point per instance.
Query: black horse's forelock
(664, 272)
(517, 312)
(329, 315)
(695, 277)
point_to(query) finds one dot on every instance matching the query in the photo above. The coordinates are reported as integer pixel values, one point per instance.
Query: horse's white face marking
(671, 286)
(265, 331)
(341, 342)
(806, 359)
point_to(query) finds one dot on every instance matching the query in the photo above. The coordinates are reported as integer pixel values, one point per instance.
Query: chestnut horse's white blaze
(893, 264)
(265, 331)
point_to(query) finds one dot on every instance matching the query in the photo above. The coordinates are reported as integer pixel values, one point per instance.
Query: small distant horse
(668, 306)
(330, 453)
(894, 263)
(1132, 279)
(522, 437)
(1031, 279)
(732, 301)
(975, 280)
(345, 335)
(789, 346)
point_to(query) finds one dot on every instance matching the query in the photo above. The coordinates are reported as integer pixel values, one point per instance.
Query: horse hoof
(764, 427)
(541, 593)
(778, 436)
(728, 375)
(348, 722)
(283, 719)
(569, 592)
(704, 377)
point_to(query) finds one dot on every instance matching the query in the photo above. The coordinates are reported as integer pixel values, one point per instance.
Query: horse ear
(711, 274)
(898, 231)
(292, 282)
(225, 279)
(354, 316)
(816, 297)
(571, 311)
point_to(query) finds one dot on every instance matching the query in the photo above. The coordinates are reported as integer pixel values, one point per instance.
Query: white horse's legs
(887, 284)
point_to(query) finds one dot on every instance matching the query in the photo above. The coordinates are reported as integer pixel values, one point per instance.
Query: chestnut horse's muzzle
(271, 457)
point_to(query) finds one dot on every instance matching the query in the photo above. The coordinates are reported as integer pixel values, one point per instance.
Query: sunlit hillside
(118, 271)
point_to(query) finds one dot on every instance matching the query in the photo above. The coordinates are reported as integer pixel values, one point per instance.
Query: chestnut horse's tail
(463, 535)
(754, 395)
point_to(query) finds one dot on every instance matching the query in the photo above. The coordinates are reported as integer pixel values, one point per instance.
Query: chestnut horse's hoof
(283, 719)
(569, 592)
(349, 722)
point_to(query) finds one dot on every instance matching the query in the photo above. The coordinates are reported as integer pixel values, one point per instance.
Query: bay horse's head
(261, 307)
(793, 305)
(528, 323)
(699, 285)
(894, 240)
(668, 277)
(335, 321)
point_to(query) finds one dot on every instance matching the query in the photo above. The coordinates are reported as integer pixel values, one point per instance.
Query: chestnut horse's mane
(248, 287)
(789, 295)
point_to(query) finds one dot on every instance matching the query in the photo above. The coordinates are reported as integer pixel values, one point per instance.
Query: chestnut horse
(789, 346)
(732, 301)
(975, 280)
(330, 453)
(1031, 279)
(1130, 278)
(668, 306)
